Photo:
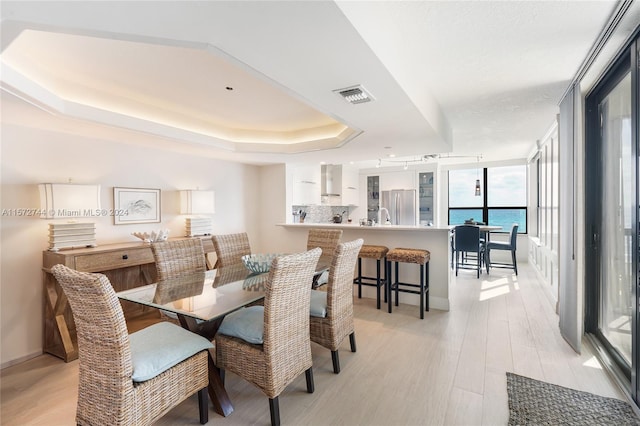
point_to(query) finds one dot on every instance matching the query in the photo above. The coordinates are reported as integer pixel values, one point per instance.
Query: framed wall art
(136, 205)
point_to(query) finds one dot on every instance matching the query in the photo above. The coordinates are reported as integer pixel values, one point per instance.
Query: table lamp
(196, 202)
(70, 202)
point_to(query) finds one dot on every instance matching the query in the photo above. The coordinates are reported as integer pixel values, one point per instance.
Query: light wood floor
(448, 369)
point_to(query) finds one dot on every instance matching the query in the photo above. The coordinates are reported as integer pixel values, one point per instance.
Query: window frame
(485, 208)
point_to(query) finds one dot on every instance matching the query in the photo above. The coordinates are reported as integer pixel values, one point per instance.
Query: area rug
(532, 402)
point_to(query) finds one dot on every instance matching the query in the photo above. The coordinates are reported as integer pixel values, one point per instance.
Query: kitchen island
(432, 238)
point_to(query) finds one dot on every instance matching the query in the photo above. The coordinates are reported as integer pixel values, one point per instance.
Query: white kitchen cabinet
(397, 180)
(350, 186)
(306, 185)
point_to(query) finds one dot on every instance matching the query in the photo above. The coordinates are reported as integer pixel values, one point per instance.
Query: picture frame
(136, 205)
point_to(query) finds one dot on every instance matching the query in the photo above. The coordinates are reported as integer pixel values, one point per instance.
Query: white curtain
(569, 302)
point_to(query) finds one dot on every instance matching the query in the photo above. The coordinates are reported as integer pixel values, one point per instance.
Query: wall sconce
(70, 201)
(196, 202)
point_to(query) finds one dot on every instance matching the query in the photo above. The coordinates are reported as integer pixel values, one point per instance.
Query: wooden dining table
(201, 300)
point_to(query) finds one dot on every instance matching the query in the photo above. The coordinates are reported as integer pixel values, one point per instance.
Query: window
(503, 199)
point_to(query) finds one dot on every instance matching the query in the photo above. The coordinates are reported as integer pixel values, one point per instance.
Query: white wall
(544, 239)
(30, 156)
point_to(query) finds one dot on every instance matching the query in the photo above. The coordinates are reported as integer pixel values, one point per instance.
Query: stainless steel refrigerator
(401, 204)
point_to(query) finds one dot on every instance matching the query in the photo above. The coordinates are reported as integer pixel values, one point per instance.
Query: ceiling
(255, 81)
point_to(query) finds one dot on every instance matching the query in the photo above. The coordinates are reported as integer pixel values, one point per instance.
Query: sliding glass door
(612, 219)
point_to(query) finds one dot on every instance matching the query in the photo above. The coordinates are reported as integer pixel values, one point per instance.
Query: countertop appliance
(401, 204)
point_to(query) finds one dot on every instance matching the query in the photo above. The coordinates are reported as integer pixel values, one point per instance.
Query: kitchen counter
(371, 228)
(433, 238)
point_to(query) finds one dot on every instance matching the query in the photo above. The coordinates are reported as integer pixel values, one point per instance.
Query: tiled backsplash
(319, 213)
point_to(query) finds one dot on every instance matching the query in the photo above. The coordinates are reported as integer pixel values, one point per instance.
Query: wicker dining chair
(327, 240)
(129, 379)
(332, 311)
(279, 331)
(230, 248)
(176, 257)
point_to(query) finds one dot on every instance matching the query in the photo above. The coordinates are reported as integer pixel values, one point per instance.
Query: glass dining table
(201, 300)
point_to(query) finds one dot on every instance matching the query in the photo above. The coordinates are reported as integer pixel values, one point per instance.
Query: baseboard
(19, 360)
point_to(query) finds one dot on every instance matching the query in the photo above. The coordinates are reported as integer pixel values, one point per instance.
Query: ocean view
(497, 217)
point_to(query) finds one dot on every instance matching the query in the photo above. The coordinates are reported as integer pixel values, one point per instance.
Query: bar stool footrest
(395, 286)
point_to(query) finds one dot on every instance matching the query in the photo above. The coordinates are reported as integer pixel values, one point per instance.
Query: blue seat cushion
(160, 346)
(318, 304)
(323, 278)
(246, 324)
(499, 245)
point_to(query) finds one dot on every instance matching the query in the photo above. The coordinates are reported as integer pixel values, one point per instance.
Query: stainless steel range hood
(331, 180)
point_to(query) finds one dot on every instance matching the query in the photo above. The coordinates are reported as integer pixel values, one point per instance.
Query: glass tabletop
(205, 295)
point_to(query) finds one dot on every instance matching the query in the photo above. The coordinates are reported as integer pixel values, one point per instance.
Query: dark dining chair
(468, 248)
(504, 245)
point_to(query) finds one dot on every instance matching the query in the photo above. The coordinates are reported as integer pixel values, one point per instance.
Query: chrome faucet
(380, 216)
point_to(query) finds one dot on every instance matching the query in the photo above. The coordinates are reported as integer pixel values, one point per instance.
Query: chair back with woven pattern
(287, 345)
(340, 286)
(327, 240)
(230, 248)
(103, 344)
(176, 257)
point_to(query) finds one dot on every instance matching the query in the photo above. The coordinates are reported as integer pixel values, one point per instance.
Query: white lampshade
(62, 200)
(197, 202)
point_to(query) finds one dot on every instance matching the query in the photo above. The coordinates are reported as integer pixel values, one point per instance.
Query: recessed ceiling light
(392, 156)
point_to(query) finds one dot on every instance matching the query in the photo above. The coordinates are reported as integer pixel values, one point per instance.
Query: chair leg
(452, 252)
(421, 291)
(485, 255)
(352, 341)
(359, 278)
(203, 405)
(397, 281)
(478, 266)
(385, 282)
(378, 283)
(309, 375)
(222, 375)
(457, 261)
(274, 409)
(513, 258)
(336, 362)
(427, 287)
(388, 289)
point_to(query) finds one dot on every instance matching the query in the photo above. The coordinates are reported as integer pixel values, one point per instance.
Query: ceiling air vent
(355, 94)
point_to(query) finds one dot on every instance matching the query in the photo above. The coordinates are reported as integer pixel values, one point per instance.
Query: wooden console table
(127, 265)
